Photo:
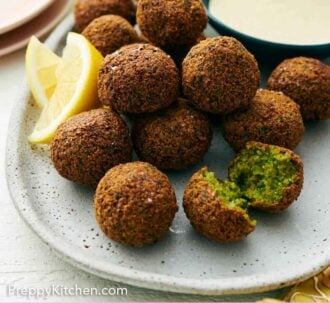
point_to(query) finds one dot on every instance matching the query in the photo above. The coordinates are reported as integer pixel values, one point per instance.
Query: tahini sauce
(299, 22)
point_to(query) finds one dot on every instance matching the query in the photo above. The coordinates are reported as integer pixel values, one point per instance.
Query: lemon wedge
(76, 89)
(41, 64)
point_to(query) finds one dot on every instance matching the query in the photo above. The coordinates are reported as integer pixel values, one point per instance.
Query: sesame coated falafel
(271, 117)
(215, 208)
(168, 23)
(174, 139)
(220, 76)
(86, 11)
(138, 78)
(135, 204)
(307, 82)
(88, 144)
(109, 33)
(270, 177)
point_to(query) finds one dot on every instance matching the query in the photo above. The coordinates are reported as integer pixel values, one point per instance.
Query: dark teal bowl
(266, 50)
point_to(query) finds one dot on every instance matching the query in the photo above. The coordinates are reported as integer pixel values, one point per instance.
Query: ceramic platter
(284, 248)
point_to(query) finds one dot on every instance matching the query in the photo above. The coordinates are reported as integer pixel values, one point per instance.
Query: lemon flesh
(76, 89)
(41, 64)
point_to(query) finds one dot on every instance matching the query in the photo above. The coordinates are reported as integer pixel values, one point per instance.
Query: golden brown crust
(219, 75)
(209, 216)
(179, 53)
(307, 82)
(135, 204)
(138, 78)
(174, 139)
(144, 39)
(86, 11)
(292, 192)
(271, 118)
(168, 23)
(87, 145)
(109, 33)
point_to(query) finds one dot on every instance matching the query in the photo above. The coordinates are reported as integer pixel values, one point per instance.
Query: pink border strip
(163, 316)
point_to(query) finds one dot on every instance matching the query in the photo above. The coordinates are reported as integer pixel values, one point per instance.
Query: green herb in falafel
(262, 175)
(227, 191)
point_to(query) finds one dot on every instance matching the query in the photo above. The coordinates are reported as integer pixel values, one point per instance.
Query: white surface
(26, 261)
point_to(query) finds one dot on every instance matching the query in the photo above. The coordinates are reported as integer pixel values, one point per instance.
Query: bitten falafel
(269, 177)
(262, 176)
(87, 145)
(135, 204)
(173, 139)
(169, 23)
(307, 82)
(109, 33)
(86, 11)
(138, 78)
(271, 117)
(219, 75)
(216, 209)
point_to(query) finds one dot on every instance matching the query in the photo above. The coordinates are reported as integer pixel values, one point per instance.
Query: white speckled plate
(284, 248)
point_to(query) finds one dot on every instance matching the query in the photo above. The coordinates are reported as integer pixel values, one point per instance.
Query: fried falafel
(216, 209)
(85, 11)
(307, 82)
(269, 177)
(135, 204)
(174, 139)
(220, 76)
(170, 23)
(271, 117)
(109, 33)
(262, 176)
(87, 145)
(179, 53)
(138, 78)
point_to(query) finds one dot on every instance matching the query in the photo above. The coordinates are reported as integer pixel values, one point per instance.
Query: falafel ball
(168, 23)
(135, 204)
(271, 117)
(307, 82)
(138, 78)
(270, 177)
(109, 33)
(86, 11)
(88, 144)
(220, 76)
(144, 40)
(174, 139)
(216, 209)
(179, 53)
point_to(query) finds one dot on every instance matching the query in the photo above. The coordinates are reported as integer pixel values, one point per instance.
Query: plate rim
(26, 18)
(143, 279)
(40, 33)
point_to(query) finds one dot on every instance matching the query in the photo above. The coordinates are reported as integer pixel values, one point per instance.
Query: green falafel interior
(229, 193)
(263, 174)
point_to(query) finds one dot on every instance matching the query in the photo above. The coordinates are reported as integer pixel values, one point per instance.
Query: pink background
(164, 316)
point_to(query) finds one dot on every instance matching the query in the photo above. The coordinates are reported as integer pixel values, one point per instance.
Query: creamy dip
(300, 22)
